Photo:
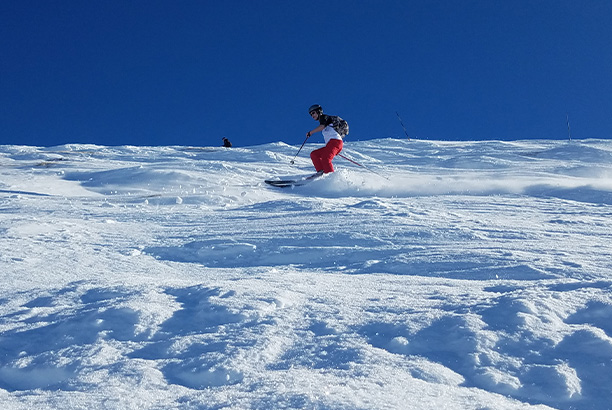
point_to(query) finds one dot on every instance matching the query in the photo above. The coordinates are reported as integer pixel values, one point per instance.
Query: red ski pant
(322, 157)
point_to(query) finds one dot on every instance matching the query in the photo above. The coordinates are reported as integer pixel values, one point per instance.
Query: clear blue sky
(181, 72)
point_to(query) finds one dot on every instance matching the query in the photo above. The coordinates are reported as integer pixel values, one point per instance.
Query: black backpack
(340, 125)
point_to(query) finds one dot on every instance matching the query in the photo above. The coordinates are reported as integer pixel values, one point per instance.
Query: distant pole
(401, 122)
(569, 133)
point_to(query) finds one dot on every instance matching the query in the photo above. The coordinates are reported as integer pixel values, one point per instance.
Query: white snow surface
(476, 275)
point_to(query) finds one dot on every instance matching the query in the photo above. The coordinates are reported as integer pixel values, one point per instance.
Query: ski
(286, 183)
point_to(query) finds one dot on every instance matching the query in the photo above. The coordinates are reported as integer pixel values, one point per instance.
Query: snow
(476, 276)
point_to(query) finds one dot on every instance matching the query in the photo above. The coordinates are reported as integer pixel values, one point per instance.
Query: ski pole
(293, 160)
(363, 166)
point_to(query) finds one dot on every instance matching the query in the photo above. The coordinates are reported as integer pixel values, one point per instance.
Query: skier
(226, 143)
(333, 128)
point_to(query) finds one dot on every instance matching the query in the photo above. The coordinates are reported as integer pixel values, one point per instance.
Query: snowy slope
(477, 276)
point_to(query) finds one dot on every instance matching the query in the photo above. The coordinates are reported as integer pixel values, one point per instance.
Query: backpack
(340, 125)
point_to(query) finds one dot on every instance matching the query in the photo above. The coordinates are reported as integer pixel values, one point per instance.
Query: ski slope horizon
(477, 274)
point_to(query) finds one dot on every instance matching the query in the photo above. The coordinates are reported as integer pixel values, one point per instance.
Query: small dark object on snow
(227, 143)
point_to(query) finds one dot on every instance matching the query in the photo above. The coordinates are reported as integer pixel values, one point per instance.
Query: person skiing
(226, 143)
(333, 129)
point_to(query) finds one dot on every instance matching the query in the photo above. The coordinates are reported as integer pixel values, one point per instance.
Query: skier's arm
(319, 128)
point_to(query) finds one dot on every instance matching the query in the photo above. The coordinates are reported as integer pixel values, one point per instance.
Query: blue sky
(181, 72)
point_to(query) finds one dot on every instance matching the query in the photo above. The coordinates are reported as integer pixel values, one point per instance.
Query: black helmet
(315, 107)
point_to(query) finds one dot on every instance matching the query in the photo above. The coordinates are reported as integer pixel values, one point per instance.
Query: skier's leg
(316, 157)
(332, 149)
